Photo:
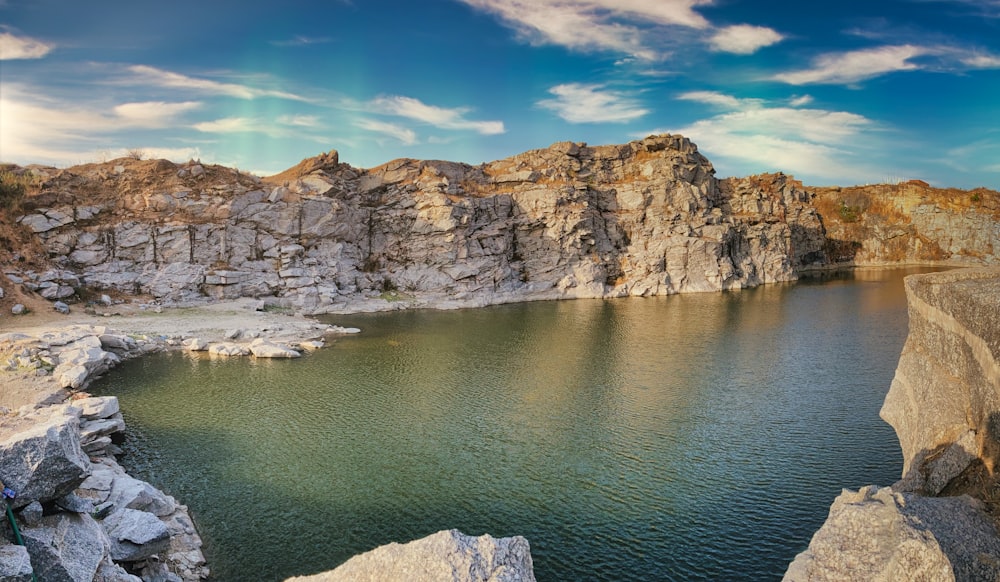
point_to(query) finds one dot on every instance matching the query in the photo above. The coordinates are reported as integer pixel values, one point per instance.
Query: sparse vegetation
(13, 188)
(849, 213)
(135, 153)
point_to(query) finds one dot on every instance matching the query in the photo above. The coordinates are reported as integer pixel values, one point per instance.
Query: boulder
(61, 307)
(130, 493)
(446, 555)
(44, 461)
(264, 349)
(195, 344)
(135, 535)
(15, 564)
(108, 571)
(97, 407)
(878, 534)
(66, 547)
(18, 309)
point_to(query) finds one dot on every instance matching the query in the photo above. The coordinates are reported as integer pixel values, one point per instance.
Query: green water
(675, 438)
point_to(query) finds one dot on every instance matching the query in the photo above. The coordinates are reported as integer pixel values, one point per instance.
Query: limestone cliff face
(945, 398)
(909, 222)
(643, 218)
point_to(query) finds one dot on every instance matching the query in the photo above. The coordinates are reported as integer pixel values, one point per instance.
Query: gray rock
(131, 493)
(66, 547)
(75, 504)
(44, 461)
(446, 555)
(97, 407)
(135, 535)
(18, 309)
(31, 514)
(15, 564)
(61, 307)
(264, 349)
(108, 571)
(880, 535)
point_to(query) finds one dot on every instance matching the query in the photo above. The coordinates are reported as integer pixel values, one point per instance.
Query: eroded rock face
(944, 401)
(446, 555)
(881, 535)
(643, 218)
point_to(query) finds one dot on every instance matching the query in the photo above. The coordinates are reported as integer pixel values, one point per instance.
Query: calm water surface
(677, 438)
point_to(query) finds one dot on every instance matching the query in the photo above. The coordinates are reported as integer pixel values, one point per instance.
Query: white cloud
(22, 47)
(158, 77)
(581, 103)
(153, 113)
(743, 39)
(981, 61)
(712, 98)
(440, 117)
(38, 129)
(299, 120)
(594, 24)
(754, 136)
(404, 135)
(853, 66)
(302, 40)
(800, 100)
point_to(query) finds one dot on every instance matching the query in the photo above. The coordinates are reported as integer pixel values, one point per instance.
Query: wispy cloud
(752, 135)
(302, 40)
(800, 100)
(853, 66)
(743, 39)
(405, 135)
(615, 25)
(158, 77)
(40, 129)
(153, 114)
(582, 103)
(711, 98)
(440, 117)
(284, 126)
(21, 47)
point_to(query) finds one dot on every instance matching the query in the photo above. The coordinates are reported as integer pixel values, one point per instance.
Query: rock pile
(80, 515)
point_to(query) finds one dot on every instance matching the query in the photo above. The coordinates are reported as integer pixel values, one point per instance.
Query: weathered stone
(31, 514)
(44, 461)
(15, 564)
(195, 344)
(135, 535)
(446, 555)
(108, 571)
(131, 493)
(264, 349)
(66, 547)
(97, 407)
(75, 504)
(18, 309)
(880, 535)
(944, 401)
(60, 306)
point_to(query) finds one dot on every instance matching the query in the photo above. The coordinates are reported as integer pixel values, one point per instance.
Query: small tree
(135, 153)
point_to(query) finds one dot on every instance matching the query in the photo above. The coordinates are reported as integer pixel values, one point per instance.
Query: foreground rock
(880, 535)
(945, 406)
(81, 516)
(446, 555)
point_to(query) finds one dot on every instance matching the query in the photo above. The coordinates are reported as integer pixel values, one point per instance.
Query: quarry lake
(687, 437)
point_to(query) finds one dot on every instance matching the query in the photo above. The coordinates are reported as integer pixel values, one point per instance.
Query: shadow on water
(687, 437)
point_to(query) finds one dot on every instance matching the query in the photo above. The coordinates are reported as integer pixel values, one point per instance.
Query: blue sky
(844, 92)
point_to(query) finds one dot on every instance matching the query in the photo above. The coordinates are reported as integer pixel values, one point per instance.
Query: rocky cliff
(939, 522)
(643, 218)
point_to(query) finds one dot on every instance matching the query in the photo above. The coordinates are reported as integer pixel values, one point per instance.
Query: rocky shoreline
(81, 516)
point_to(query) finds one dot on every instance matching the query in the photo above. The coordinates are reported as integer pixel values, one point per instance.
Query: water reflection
(685, 437)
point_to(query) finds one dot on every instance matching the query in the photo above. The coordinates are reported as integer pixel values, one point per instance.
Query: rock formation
(642, 218)
(939, 521)
(446, 555)
(80, 515)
